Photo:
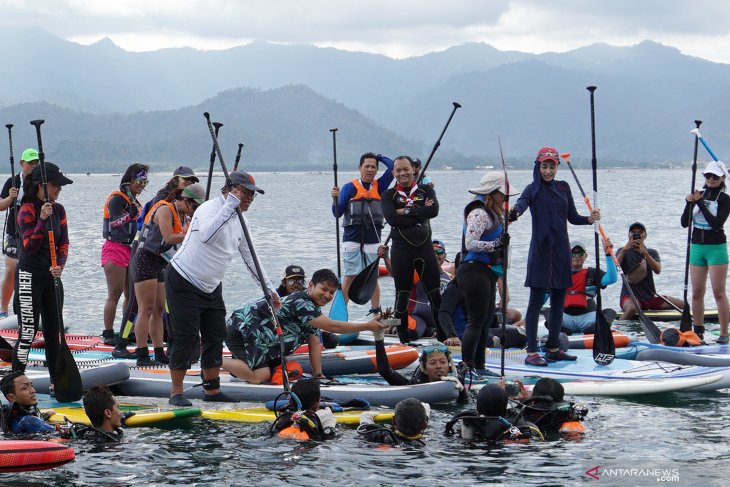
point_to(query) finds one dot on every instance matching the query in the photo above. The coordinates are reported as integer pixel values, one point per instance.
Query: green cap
(29, 155)
(195, 192)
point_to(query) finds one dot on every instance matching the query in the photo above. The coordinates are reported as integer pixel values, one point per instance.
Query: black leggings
(479, 285)
(35, 295)
(404, 260)
(537, 299)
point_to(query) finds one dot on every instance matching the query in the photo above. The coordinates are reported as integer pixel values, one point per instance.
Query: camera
(636, 235)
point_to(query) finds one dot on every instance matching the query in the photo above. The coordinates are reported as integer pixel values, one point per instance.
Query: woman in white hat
(708, 252)
(484, 242)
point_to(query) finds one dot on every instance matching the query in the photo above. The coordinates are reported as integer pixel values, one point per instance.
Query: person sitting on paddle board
(579, 315)
(121, 210)
(492, 421)
(639, 263)
(548, 262)
(254, 344)
(295, 280)
(408, 208)
(194, 289)
(359, 201)
(708, 252)
(35, 278)
(484, 243)
(12, 193)
(303, 419)
(410, 420)
(22, 414)
(162, 231)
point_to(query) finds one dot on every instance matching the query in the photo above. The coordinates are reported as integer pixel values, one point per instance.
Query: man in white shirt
(194, 285)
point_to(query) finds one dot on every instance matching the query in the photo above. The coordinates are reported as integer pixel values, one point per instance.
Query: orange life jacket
(150, 237)
(365, 203)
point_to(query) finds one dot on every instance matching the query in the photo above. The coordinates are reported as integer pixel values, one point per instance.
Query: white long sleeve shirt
(214, 237)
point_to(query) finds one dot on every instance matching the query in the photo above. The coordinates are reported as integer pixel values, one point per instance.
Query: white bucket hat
(491, 182)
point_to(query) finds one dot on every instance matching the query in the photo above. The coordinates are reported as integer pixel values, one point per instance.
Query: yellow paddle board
(147, 417)
(261, 414)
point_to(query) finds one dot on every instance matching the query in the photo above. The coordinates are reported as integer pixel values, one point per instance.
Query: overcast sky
(397, 28)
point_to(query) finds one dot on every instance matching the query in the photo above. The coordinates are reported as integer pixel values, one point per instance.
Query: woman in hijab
(548, 263)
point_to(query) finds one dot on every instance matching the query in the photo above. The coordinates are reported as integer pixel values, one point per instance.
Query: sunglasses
(247, 193)
(141, 182)
(295, 281)
(578, 254)
(439, 251)
(713, 177)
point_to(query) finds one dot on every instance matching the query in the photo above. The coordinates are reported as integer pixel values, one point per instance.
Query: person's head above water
(492, 400)
(549, 387)
(308, 392)
(411, 417)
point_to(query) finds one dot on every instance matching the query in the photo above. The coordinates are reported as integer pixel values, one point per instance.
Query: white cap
(491, 182)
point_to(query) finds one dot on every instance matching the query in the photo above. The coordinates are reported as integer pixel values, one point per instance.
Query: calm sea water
(292, 223)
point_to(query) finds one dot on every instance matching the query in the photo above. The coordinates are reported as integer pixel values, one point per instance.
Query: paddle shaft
(686, 322)
(252, 250)
(651, 330)
(217, 126)
(238, 157)
(505, 264)
(594, 168)
(12, 174)
(335, 202)
(421, 174)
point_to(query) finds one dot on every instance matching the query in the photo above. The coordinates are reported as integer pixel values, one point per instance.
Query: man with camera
(639, 264)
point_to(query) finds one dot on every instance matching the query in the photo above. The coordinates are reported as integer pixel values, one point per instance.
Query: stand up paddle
(505, 263)
(604, 349)
(217, 126)
(696, 131)
(686, 323)
(238, 157)
(651, 331)
(364, 283)
(257, 264)
(338, 310)
(68, 380)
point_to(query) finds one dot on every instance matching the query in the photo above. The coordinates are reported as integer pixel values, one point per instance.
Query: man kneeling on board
(409, 422)
(22, 414)
(254, 343)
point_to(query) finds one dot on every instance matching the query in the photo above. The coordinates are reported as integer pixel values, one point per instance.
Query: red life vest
(575, 296)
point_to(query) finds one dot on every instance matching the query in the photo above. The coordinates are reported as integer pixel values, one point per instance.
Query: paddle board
(142, 417)
(26, 455)
(261, 414)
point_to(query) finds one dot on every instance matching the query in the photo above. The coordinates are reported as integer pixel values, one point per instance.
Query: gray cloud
(403, 27)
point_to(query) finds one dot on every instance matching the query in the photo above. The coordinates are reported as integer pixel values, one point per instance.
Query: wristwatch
(406, 211)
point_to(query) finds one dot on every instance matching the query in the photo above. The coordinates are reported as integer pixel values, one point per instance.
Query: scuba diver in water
(302, 419)
(492, 421)
(22, 415)
(409, 422)
(434, 365)
(547, 408)
(102, 408)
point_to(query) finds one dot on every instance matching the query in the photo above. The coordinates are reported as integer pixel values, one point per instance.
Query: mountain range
(105, 105)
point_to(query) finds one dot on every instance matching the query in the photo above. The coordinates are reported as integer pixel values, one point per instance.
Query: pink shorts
(116, 253)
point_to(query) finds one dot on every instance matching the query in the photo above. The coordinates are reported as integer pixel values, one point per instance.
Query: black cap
(637, 224)
(53, 175)
(293, 271)
(187, 173)
(241, 178)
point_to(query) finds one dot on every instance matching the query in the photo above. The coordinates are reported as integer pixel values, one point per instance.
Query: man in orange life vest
(359, 202)
(579, 315)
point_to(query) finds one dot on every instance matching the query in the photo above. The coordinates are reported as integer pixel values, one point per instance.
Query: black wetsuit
(383, 435)
(412, 249)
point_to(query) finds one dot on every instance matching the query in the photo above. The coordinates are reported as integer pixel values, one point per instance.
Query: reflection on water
(292, 223)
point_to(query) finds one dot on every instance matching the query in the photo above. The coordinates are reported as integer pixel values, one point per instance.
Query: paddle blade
(650, 329)
(338, 311)
(363, 286)
(604, 349)
(68, 379)
(686, 323)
